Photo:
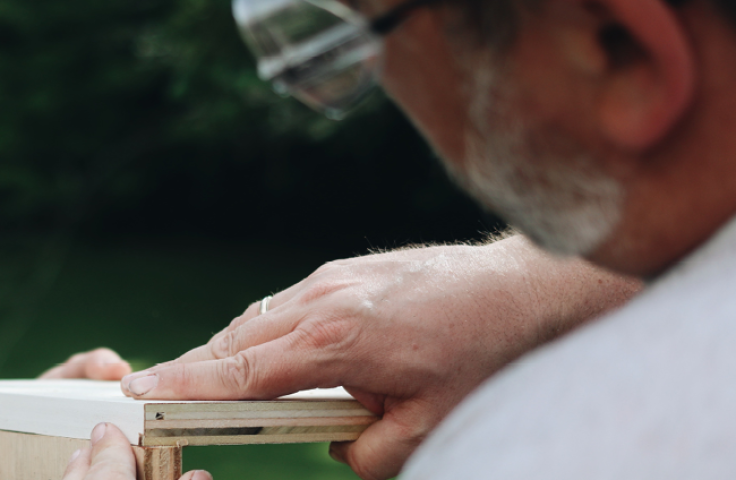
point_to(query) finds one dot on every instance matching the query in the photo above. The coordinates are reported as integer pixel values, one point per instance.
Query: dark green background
(151, 187)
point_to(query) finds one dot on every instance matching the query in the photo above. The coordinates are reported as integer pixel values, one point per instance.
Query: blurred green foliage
(147, 115)
(151, 187)
(152, 300)
(97, 96)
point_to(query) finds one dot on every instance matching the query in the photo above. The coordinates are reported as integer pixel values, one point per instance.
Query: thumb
(112, 457)
(196, 475)
(381, 451)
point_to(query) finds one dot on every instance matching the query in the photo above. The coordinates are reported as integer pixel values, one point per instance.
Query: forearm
(410, 333)
(564, 292)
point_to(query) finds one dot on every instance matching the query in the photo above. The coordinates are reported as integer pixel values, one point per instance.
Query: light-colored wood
(35, 457)
(342, 433)
(39, 457)
(256, 440)
(65, 408)
(261, 422)
(158, 463)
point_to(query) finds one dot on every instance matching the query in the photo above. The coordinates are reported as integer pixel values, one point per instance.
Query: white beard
(559, 199)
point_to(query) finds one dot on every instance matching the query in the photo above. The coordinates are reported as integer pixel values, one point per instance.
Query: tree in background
(147, 116)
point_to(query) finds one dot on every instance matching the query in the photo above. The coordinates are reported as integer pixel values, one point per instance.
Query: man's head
(598, 127)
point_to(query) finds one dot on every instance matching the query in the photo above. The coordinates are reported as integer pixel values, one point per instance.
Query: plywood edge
(254, 406)
(253, 440)
(267, 422)
(209, 415)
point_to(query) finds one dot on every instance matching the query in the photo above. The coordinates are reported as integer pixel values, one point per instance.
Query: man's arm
(409, 333)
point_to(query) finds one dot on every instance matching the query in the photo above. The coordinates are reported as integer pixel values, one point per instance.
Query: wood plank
(68, 408)
(204, 413)
(39, 457)
(65, 408)
(253, 439)
(158, 463)
(206, 436)
(260, 422)
(35, 457)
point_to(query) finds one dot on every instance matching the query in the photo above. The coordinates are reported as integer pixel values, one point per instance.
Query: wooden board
(71, 408)
(34, 457)
(37, 457)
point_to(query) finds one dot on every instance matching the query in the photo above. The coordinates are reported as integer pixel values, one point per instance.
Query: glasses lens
(316, 50)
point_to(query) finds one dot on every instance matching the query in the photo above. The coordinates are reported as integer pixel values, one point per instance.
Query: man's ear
(649, 81)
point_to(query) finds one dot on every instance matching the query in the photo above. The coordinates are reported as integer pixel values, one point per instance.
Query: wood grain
(35, 457)
(158, 463)
(39, 457)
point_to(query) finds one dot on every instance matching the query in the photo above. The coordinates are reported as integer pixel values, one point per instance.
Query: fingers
(112, 456)
(220, 342)
(78, 464)
(104, 364)
(263, 372)
(109, 457)
(100, 364)
(196, 475)
(257, 331)
(381, 451)
(253, 311)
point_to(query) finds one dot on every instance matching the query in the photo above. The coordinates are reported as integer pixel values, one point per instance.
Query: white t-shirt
(646, 393)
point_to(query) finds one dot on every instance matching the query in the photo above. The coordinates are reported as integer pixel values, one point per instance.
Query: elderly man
(601, 130)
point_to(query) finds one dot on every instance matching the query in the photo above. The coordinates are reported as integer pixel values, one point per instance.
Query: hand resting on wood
(409, 333)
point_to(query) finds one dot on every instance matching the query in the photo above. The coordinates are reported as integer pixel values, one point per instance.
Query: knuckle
(223, 347)
(336, 333)
(321, 288)
(182, 381)
(237, 321)
(252, 308)
(235, 373)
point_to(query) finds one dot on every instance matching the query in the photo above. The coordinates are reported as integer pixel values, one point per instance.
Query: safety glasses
(319, 51)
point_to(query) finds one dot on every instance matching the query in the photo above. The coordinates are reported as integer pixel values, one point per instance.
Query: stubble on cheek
(532, 174)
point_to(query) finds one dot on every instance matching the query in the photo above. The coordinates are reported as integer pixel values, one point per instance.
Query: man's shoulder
(645, 392)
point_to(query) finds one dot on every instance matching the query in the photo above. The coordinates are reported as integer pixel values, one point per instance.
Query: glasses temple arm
(387, 22)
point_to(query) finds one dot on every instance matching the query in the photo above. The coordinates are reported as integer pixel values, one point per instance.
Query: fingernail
(143, 385)
(125, 381)
(132, 376)
(75, 455)
(201, 475)
(98, 432)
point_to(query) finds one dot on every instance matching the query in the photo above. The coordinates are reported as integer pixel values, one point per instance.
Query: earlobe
(644, 96)
(634, 110)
